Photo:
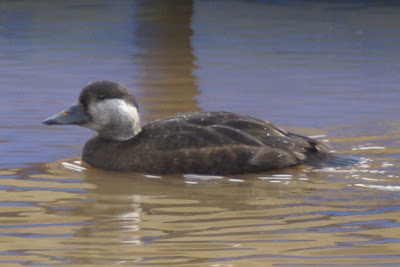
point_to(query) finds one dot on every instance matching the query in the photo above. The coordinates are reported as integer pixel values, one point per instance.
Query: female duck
(198, 142)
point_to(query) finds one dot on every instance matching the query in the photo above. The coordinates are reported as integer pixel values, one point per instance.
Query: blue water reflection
(296, 63)
(326, 68)
(307, 64)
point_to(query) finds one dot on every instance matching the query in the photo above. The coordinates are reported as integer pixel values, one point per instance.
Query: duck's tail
(330, 160)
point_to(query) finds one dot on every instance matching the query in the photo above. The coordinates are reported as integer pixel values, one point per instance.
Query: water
(326, 69)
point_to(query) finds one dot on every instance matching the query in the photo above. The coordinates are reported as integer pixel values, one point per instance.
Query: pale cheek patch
(114, 112)
(106, 111)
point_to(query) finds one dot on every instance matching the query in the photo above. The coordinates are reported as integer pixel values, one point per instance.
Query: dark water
(320, 68)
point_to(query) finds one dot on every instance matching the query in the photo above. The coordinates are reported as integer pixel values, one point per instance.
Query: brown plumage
(199, 142)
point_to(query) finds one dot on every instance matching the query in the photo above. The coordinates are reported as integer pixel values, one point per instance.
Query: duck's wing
(191, 136)
(222, 142)
(236, 121)
(225, 128)
(203, 129)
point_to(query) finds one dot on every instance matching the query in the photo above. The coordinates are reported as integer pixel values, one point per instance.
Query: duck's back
(207, 143)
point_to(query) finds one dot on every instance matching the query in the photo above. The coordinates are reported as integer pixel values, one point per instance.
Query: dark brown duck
(198, 142)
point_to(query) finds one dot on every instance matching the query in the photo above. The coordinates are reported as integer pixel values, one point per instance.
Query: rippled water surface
(327, 69)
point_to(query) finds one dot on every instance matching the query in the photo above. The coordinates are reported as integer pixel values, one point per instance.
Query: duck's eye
(101, 97)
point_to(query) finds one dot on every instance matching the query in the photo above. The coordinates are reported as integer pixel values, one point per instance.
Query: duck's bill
(71, 115)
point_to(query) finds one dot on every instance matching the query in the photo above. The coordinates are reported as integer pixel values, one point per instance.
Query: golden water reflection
(60, 214)
(65, 213)
(165, 58)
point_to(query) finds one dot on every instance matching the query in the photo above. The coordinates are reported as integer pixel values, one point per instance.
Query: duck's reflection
(152, 212)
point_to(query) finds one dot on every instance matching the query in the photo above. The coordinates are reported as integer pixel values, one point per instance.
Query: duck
(209, 143)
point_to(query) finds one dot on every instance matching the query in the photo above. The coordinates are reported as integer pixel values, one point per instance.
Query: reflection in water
(49, 50)
(299, 63)
(303, 63)
(89, 216)
(163, 34)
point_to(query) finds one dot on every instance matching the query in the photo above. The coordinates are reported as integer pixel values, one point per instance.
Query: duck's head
(105, 107)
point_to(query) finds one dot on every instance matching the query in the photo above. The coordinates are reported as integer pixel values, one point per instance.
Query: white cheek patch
(106, 111)
(114, 115)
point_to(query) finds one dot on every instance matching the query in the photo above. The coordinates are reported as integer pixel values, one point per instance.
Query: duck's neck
(124, 128)
(121, 132)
